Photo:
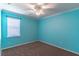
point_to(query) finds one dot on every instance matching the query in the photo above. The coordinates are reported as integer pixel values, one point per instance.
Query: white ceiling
(59, 7)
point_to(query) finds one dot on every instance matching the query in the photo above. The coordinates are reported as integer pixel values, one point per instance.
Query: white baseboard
(60, 47)
(19, 44)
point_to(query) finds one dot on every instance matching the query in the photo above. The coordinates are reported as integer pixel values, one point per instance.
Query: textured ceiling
(59, 7)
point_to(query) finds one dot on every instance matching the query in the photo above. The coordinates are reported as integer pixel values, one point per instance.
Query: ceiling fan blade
(31, 6)
(48, 6)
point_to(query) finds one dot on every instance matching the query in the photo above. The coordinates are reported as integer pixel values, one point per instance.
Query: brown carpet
(36, 49)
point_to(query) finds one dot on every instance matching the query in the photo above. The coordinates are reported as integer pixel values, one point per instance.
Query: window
(13, 27)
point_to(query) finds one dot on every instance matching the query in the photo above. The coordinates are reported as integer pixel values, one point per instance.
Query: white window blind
(13, 27)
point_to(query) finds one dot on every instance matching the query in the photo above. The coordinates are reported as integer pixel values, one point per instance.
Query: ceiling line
(61, 12)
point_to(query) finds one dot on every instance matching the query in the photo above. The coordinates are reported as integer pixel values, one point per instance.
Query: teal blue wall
(0, 26)
(28, 29)
(61, 30)
(0, 32)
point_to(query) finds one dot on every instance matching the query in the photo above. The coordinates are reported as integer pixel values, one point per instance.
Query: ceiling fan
(39, 8)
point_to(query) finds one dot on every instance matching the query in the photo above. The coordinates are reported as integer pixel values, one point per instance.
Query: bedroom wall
(61, 30)
(0, 26)
(28, 29)
(0, 32)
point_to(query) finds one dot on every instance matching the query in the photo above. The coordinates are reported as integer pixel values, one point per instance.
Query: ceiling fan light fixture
(39, 8)
(39, 12)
